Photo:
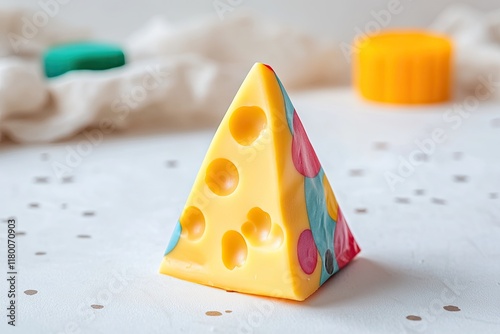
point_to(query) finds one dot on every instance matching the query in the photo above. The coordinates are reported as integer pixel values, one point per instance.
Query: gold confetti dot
(213, 313)
(96, 306)
(451, 308)
(41, 179)
(228, 311)
(402, 200)
(356, 172)
(31, 292)
(460, 178)
(172, 163)
(381, 146)
(419, 192)
(67, 179)
(439, 201)
(414, 318)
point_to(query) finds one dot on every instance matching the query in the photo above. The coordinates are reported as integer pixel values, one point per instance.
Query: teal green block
(81, 56)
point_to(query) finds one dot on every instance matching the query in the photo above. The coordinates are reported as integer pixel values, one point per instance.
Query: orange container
(404, 67)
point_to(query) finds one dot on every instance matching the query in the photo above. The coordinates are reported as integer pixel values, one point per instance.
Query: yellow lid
(403, 67)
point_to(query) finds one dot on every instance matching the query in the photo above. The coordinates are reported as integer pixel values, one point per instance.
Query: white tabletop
(431, 242)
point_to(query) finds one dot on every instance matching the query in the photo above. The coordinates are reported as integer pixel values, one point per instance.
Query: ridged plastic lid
(406, 67)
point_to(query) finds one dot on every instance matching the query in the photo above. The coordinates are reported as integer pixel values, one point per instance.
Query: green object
(81, 56)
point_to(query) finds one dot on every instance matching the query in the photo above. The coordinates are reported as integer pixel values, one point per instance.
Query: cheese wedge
(261, 217)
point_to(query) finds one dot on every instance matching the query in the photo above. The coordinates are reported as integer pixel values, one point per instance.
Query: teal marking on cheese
(176, 235)
(321, 224)
(289, 109)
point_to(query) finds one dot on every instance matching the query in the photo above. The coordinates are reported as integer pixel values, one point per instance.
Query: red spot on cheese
(307, 252)
(344, 244)
(269, 67)
(304, 158)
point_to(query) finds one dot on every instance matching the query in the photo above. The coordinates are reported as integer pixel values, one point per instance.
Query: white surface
(416, 257)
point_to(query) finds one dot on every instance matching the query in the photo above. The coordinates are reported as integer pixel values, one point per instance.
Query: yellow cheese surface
(261, 217)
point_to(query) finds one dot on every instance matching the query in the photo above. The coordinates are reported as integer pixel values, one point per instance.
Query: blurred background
(203, 50)
(108, 107)
(114, 19)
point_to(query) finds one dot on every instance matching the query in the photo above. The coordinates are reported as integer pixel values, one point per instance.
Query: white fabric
(173, 74)
(476, 37)
(188, 74)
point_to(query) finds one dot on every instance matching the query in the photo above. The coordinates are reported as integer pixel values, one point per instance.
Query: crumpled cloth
(184, 74)
(476, 39)
(188, 74)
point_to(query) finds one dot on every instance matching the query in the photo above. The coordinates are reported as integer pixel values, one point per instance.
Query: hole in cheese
(193, 223)
(222, 177)
(246, 124)
(260, 231)
(234, 250)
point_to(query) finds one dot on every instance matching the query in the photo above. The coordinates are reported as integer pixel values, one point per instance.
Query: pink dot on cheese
(307, 252)
(304, 158)
(269, 67)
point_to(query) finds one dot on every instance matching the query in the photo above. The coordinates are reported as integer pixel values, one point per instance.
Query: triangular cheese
(261, 217)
